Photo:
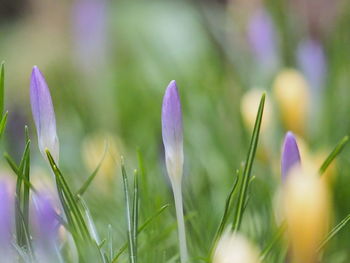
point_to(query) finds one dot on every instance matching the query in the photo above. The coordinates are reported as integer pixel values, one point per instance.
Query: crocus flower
(6, 219)
(89, 19)
(290, 155)
(173, 145)
(312, 62)
(235, 248)
(306, 209)
(292, 95)
(262, 39)
(46, 228)
(43, 114)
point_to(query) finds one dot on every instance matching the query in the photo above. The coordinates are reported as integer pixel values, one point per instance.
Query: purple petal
(312, 62)
(6, 214)
(290, 155)
(43, 114)
(90, 32)
(172, 129)
(262, 37)
(45, 218)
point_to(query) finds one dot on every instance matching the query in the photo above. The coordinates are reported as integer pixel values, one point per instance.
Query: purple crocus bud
(172, 132)
(43, 114)
(312, 62)
(290, 155)
(262, 38)
(173, 145)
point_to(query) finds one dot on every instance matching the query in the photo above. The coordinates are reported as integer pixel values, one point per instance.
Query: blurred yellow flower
(292, 95)
(306, 207)
(249, 109)
(93, 150)
(235, 248)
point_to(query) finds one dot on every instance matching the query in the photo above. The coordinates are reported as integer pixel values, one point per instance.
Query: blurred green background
(107, 64)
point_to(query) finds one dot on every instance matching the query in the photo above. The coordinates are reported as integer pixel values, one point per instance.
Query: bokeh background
(107, 64)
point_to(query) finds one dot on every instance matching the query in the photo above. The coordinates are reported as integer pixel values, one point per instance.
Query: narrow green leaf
(21, 203)
(141, 228)
(135, 213)
(88, 182)
(225, 216)
(2, 87)
(74, 215)
(336, 151)
(248, 166)
(275, 238)
(15, 168)
(334, 231)
(128, 215)
(3, 123)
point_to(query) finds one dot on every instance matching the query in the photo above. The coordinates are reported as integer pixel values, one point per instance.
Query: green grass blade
(3, 123)
(2, 87)
(141, 228)
(275, 238)
(128, 215)
(69, 203)
(226, 213)
(88, 182)
(135, 213)
(15, 168)
(21, 204)
(248, 167)
(336, 151)
(334, 231)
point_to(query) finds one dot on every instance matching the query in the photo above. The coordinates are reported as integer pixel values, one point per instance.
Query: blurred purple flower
(262, 38)
(6, 214)
(290, 155)
(7, 218)
(46, 218)
(46, 228)
(89, 32)
(312, 62)
(172, 131)
(43, 114)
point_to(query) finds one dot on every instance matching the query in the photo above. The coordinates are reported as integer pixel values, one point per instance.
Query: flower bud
(235, 248)
(292, 94)
(172, 132)
(43, 114)
(306, 208)
(290, 155)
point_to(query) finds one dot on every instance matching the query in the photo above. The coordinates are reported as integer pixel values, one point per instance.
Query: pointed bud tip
(290, 154)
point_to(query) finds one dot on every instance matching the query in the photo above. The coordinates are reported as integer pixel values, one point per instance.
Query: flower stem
(180, 221)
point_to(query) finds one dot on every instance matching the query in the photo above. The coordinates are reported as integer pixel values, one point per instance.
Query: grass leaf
(336, 151)
(275, 238)
(141, 228)
(128, 215)
(225, 216)
(2, 87)
(3, 123)
(248, 167)
(334, 231)
(69, 203)
(135, 212)
(88, 182)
